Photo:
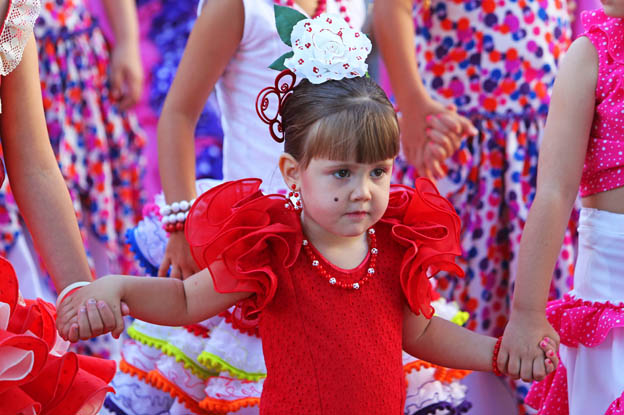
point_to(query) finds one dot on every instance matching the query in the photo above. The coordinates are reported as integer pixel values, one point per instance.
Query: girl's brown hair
(340, 120)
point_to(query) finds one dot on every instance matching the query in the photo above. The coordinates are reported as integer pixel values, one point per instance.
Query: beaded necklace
(321, 6)
(370, 272)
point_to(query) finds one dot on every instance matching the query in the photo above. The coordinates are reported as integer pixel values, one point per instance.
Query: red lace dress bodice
(336, 351)
(328, 350)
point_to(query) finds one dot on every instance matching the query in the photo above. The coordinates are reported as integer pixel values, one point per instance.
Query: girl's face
(613, 8)
(344, 198)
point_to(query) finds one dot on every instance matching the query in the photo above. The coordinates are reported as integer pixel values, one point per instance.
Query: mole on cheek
(335, 199)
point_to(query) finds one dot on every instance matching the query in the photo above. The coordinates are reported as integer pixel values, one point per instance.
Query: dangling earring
(294, 199)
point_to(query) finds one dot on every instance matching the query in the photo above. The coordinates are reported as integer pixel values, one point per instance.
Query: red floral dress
(321, 343)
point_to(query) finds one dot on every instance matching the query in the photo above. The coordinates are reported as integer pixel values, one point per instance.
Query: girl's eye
(342, 173)
(379, 172)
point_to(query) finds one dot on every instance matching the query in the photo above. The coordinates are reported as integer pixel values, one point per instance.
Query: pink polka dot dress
(590, 319)
(605, 155)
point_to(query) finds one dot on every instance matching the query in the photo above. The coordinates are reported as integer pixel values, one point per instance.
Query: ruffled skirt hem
(583, 326)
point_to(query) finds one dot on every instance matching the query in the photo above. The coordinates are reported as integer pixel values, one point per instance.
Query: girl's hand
(126, 75)
(522, 353)
(92, 310)
(101, 319)
(178, 257)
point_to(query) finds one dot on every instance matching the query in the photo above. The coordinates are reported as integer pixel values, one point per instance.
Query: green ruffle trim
(220, 365)
(170, 350)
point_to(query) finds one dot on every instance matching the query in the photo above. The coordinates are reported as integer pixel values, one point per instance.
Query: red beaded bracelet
(174, 227)
(497, 346)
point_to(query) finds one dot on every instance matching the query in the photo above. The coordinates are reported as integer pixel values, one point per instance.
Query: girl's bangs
(365, 133)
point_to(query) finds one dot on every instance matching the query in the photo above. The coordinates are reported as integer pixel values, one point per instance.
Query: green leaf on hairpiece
(285, 19)
(278, 65)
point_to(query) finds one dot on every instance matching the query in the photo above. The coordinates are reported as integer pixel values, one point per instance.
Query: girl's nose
(361, 191)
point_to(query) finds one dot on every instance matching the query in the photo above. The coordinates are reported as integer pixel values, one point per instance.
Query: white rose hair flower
(326, 47)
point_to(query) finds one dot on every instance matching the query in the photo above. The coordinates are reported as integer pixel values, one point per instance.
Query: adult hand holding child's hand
(529, 344)
(430, 133)
(91, 311)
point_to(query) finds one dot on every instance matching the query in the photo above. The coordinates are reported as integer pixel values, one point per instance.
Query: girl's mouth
(357, 214)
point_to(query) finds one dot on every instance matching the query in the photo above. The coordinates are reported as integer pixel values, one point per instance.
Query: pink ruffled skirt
(590, 321)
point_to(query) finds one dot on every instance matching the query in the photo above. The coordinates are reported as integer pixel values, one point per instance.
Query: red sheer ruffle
(43, 378)
(426, 224)
(245, 239)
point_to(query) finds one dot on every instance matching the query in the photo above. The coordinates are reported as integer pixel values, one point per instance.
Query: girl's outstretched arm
(446, 344)
(214, 40)
(163, 301)
(561, 159)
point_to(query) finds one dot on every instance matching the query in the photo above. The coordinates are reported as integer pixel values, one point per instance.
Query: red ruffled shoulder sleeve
(426, 224)
(245, 239)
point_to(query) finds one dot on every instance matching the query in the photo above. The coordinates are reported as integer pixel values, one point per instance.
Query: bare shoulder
(223, 9)
(581, 61)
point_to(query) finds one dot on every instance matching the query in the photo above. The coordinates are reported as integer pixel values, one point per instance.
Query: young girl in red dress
(337, 272)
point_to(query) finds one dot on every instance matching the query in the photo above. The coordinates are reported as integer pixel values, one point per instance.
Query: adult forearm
(122, 16)
(449, 345)
(36, 181)
(394, 32)
(44, 202)
(176, 155)
(539, 249)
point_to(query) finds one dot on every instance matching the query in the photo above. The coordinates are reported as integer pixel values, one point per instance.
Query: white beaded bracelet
(176, 207)
(68, 289)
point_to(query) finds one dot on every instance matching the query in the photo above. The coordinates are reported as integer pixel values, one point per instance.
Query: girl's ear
(290, 170)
